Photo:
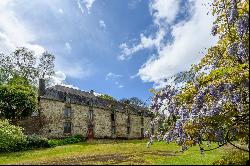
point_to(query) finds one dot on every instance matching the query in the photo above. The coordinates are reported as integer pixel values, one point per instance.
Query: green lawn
(113, 152)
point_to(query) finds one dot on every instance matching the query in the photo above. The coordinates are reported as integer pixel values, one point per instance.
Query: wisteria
(242, 25)
(214, 30)
(213, 106)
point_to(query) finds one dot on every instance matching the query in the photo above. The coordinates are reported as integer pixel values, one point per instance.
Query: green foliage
(55, 142)
(35, 141)
(234, 157)
(69, 140)
(11, 137)
(23, 62)
(107, 97)
(17, 99)
(46, 66)
(133, 101)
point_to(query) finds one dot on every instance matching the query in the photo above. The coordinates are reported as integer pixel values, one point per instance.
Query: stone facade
(65, 111)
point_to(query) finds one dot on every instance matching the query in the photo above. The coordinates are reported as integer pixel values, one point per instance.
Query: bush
(11, 137)
(35, 141)
(234, 157)
(69, 140)
(80, 137)
(55, 142)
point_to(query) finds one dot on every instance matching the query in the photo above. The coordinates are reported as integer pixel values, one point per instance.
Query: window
(142, 132)
(128, 130)
(113, 129)
(67, 112)
(128, 120)
(142, 120)
(113, 123)
(67, 128)
(91, 115)
(112, 117)
(67, 99)
(91, 103)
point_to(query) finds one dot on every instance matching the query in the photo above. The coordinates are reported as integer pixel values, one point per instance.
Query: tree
(134, 101)
(24, 63)
(46, 66)
(17, 99)
(213, 104)
(107, 97)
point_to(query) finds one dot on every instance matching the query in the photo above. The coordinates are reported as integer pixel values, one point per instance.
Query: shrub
(35, 141)
(55, 142)
(11, 137)
(69, 140)
(79, 137)
(234, 157)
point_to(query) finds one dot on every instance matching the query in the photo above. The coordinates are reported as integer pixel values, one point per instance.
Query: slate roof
(60, 93)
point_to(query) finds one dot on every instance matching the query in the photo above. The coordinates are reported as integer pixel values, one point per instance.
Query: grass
(113, 152)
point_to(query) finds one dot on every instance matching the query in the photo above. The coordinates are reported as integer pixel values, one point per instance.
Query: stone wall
(102, 123)
(53, 119)
(31, 125)
(135, 126)
(79, 119)
(121, 125)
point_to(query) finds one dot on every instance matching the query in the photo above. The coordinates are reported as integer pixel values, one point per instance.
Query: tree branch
(237, 147)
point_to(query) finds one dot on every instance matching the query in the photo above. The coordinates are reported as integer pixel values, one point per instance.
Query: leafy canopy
(18, 99)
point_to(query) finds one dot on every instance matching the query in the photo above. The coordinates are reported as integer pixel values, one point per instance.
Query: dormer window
(91, 103)
(67, 99)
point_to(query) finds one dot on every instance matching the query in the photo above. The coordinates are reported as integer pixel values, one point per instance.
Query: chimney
(41, 90)
(92, 92)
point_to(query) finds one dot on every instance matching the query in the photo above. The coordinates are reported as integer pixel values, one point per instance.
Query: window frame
(67, 127)
(67, 112)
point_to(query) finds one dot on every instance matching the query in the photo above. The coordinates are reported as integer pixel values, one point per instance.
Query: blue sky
(118, 47)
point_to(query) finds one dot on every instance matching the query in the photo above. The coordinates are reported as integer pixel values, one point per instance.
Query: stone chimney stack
(41, 90)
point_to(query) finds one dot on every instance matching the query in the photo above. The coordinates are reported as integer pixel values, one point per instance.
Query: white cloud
(88, 4)
(97, 94)
(189, 38)
(76, 70)
(133, 4)
(112, 76)
(164, 10)
(59, 79)
(60, 11)
(145, 42)
(13, 32)
(68, 47)
(102, 24)
(133, 76)
(115, 78)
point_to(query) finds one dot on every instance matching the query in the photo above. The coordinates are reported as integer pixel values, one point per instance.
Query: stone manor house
(65, 111)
